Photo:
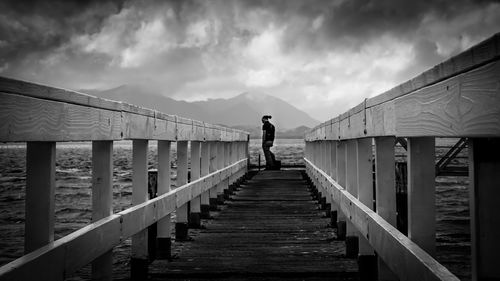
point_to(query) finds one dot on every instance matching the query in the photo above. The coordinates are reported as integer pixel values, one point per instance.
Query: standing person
(267, 141)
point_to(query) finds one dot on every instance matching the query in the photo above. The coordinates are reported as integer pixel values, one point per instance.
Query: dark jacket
(269, 131)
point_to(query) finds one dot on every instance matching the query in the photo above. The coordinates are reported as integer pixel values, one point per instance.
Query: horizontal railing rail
(351, 161)
(215, 158)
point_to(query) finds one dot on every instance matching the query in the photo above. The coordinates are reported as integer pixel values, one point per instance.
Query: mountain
(256, 132)
(245, 109)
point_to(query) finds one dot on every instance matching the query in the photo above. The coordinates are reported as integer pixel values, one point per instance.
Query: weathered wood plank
(40, 188)
(102, 200)
(459, 97)
(29, 119)
(255, 235)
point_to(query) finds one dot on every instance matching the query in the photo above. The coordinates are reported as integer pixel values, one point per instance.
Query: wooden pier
(271, 227)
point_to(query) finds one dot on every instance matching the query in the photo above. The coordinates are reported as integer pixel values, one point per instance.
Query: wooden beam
(164, 225)
(140, 257)
(455, 98)
(484, 191)
(385, 191)
(181, 227)
(40, 186)
(421, 193)
(102, 200)
(195, 204)
(30, 119)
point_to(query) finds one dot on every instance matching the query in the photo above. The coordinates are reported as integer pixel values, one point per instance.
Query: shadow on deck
(270, 229)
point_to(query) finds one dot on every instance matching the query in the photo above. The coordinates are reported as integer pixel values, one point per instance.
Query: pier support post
(352, 235)
(163, 229)
(214, 147)
(205, 196)
(333, 173)
(421, 193)
(181, 225)
(139, 262)
(367, 262)
(220, 164)
(102, 200)
(484, 192)
(195, 212)
(40, 186)
(385, 191)
(341, 179)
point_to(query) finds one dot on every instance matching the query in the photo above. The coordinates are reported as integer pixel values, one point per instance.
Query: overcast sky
(321, 56)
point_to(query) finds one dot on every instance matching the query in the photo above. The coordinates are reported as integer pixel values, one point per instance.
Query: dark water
(73, 197)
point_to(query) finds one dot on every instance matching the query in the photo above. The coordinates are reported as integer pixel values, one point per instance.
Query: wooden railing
(457, 98)
(42, 116)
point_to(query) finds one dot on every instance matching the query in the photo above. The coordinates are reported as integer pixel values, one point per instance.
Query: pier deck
(272, 228)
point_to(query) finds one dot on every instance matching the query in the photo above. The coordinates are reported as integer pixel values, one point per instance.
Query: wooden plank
(102, 200)
(421, 193)
(465, 105)
(40, 187)
(484, 193)
(458, 97)
(140, 193)
(30, 89)
(30, 119)
(254, 235)
(385, 191)
(403, 256)
(205, 161)
(365, 184)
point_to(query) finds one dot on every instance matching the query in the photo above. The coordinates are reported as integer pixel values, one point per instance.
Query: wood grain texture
(63, 257)
(457, 98)
(271, 228)
(29, 119)
(404, 257)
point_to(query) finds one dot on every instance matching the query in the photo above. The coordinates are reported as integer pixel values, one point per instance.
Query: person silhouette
(267, 141)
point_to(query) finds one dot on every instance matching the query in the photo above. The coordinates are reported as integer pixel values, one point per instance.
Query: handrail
(82, 117)
(388, 242)
(351, 161)
(42, 115)
(68, 254)
(455, 98)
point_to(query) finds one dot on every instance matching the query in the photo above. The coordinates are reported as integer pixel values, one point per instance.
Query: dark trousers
(266, 147)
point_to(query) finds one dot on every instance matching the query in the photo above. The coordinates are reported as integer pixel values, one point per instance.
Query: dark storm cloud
(315, 48)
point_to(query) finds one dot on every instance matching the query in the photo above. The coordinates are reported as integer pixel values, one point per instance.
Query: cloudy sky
(321, 56)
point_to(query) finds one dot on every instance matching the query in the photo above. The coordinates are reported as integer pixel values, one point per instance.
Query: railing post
(341, 179)
(328, 170)
(139, 261)
(333, 173)
(181, 224)
(205, 196)
(484, 192)
(227, 160)
(385, 191)
(367, 262)
(220, 164)
(212, 168)
(421, 193)
(163, 240)
(102, 200)
(352, 235)
(40, 186)
(195, 205)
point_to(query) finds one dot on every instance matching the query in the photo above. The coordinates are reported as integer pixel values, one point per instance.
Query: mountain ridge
(245, 109)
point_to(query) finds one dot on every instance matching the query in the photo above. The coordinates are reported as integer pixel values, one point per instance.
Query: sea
(73, 196)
